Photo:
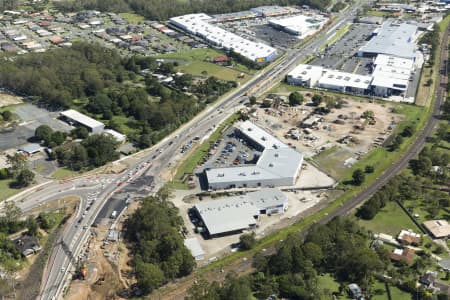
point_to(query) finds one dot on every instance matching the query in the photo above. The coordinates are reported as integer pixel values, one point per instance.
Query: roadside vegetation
(11, 258)
(159, 253)
(98, 82)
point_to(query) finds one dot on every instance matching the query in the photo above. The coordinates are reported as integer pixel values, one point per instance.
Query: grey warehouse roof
(31, 148)
(237, 213)
(82, 118)
(194, 246)
(393, 39)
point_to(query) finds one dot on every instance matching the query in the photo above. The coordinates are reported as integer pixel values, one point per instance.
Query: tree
(80, 132)
(420, 166)
(266, 103)
(252, 100)
(25, 178)
(44, 133)
(369, 169)
(58, 137)
(396, 142)
(149, 276)
(32, 226)
(17, 163)
(316, 99)
(247, 241)
(7, 115)
(358, 177)
(368, 114)
(442, 132)
(100, 149)
(12, 212)
(408, 131)
(295, 98)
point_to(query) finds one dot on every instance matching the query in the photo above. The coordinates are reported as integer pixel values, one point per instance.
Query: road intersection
(150, 162)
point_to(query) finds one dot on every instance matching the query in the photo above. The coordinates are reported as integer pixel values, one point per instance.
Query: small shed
(30, 149)
(196, 249)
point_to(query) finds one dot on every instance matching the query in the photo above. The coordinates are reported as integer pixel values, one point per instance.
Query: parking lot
(31, 117)
(342, 54)
(228, 151)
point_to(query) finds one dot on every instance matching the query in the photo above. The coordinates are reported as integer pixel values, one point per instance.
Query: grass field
(396, 293)
(62, 173)
(132, 18)
(6, 191)
(391, 219)
(196, 61)
(200, 68)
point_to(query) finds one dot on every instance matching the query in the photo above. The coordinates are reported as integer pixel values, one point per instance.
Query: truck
(114, 214)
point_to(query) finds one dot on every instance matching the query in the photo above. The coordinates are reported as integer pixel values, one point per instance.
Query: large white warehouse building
(393, 39)
(199, 25)
(391, 76)
(299, 25)
(278, 165)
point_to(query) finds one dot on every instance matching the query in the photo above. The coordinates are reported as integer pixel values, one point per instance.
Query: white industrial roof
(237, 212)
(391, 78)
(277, 160)
(344, 79)
(394, 62)
(306, 72)
(198, 24)
(300, 24)
(81, 118)
(393, 39)
(260, 136)
(117, 135)
(194, 246)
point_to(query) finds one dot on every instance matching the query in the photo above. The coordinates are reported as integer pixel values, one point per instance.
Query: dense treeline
(159, 252)
(98, 81)
(58, 76)
(338, 248)
(162, 10)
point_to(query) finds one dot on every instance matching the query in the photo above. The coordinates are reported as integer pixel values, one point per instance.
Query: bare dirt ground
(7, 99)
(327, 131)
(107, 264)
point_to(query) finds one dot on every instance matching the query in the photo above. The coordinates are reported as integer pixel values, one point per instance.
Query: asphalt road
(150, 162)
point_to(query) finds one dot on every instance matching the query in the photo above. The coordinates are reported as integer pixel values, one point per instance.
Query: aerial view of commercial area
(224, 150)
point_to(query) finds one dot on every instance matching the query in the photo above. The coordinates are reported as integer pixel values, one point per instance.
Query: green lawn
(6, 191)
(202, 68)
(391, 219)
(63, 173)
(132, 18)
(396, 293)
(196, 60)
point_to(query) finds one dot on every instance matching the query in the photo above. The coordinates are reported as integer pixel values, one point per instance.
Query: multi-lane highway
(94, 191)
